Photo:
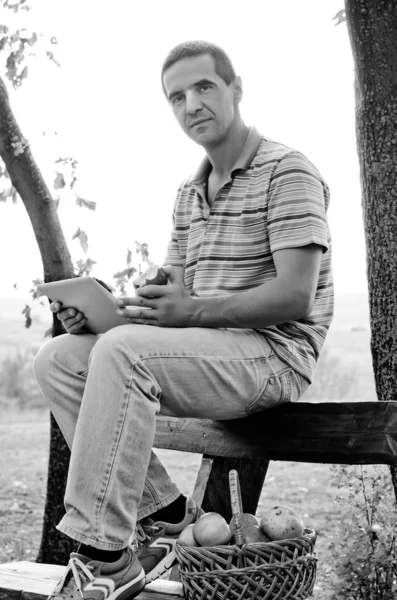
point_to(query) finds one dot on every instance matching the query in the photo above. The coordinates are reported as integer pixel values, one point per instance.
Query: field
(344, 372)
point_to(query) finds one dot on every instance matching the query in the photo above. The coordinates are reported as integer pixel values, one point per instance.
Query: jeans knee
(66, 353)
(111, 343)
(42, 361)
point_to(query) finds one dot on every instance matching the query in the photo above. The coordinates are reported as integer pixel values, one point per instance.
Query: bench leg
(252, 473)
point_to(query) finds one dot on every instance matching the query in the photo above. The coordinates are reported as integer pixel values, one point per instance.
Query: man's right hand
(72, 320)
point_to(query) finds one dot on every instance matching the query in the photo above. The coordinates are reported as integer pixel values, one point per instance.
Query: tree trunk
(372, 26)
(57, 264)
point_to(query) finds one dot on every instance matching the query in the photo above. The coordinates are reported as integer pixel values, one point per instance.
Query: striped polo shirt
(273, 199)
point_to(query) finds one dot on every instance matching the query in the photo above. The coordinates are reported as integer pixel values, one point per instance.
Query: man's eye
(177, 99)
(204, 88)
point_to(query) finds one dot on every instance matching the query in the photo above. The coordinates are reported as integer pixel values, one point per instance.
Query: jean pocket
(277, 391)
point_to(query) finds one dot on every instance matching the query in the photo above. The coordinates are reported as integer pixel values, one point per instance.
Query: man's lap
(202, 372)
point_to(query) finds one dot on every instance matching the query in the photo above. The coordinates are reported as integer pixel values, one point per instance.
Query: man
(237, 329)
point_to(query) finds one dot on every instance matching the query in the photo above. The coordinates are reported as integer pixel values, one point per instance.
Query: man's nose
(193, 103)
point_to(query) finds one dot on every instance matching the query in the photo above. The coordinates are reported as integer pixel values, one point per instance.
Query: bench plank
(25, 580)
(326, 432)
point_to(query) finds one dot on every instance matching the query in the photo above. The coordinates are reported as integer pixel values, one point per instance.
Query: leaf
(24, 73)
(35, 293)
(59, 182)
(143, 250)
(83, 239)
(128, 272)
(85, 266)
(27, 312)
(129, 257)
(340, 17)
(86, 203)
(51, 56)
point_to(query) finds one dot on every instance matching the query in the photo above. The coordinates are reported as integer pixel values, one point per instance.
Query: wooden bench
(326, 432)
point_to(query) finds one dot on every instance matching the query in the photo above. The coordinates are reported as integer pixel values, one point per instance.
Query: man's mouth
(199, 122)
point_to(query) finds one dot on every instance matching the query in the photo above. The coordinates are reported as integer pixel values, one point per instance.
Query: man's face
(204, 105)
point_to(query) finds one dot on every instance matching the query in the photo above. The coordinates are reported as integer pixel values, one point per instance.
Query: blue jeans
(105, 392)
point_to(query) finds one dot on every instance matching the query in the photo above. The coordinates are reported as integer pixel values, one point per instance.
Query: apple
(154, 275)
(186, 537)
(252, 534)
(281, 522)
(211, 529)
(245, 519)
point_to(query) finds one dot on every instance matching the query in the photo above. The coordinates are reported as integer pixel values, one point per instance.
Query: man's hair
(223, 64)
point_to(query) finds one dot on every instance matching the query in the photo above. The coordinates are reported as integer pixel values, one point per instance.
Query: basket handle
(237, 505)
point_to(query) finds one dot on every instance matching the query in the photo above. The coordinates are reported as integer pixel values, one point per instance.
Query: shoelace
(73, 566)
(142, 533)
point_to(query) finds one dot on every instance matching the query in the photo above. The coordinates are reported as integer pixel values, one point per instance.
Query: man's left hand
(160, 305)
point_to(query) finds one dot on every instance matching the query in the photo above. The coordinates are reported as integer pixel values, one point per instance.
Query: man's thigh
(208, 373)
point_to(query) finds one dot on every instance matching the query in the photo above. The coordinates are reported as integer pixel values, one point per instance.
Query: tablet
(89, 297)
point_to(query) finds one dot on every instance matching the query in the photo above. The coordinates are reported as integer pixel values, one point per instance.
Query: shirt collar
(248, 152)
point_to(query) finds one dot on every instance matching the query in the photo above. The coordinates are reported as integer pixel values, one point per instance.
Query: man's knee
(42, 362)
(118, 339)
(70, 351)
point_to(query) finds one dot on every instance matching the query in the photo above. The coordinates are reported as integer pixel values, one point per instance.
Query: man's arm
(287, 297)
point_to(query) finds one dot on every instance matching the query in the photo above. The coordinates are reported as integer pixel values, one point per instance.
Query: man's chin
(203, 139)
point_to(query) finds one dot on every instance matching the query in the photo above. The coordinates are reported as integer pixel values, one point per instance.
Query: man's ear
(238, 89)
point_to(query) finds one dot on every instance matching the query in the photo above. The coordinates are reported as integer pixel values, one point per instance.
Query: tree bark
(372, 26)
(57, 264)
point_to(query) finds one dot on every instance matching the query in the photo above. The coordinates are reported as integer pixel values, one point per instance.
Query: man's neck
(223, 156)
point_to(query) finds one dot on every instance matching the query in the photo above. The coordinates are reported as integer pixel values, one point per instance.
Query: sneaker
(94, 580)
(155, 540)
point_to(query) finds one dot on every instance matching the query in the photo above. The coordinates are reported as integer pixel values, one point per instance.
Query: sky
(105, 107)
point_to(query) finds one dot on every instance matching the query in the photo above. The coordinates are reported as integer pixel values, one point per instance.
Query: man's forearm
(269, 304)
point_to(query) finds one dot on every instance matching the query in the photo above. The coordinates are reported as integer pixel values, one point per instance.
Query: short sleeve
(298, 203)
(173, 256)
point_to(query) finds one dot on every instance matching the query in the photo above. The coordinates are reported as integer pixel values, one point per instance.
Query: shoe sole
(162, 567)
(130, 589)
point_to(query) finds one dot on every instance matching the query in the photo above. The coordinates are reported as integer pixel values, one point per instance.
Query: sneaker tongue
(84, 559)
(69, 583)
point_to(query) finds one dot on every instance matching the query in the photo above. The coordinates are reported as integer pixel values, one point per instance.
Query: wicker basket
(279, 570)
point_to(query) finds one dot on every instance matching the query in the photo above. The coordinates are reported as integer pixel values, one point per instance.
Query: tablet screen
(89, 297)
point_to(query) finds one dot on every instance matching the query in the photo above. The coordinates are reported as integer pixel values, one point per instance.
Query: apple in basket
(246, 519)
(252, 534)
(186, 537)
(281, 522)
(211, 529)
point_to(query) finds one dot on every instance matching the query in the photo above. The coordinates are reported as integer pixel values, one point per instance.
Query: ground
(305, 487)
